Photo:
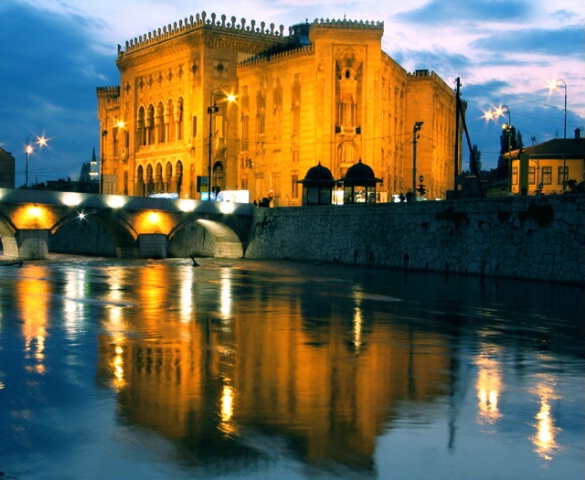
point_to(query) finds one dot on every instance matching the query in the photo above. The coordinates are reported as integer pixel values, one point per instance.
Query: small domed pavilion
(359, 184)
(318, 186)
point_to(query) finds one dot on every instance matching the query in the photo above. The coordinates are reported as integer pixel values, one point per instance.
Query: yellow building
(540, 167)
(326, 92)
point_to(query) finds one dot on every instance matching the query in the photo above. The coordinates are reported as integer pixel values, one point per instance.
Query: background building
(545, 166)
(324, 93)
(7, 169)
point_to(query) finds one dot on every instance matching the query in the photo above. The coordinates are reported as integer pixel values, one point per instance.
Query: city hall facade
(248, 108)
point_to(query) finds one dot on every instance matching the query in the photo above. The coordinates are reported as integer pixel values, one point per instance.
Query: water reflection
(546, 432)
(247, 364)
(33, 295)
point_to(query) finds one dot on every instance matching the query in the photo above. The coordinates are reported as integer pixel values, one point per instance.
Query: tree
(509, 140)
(475, 161)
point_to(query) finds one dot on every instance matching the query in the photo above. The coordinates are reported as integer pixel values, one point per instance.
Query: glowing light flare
(186, 205)
(34, 212)
(554, 85)
(227, 207)
(71, 199)
(153, 218)
(115, 201)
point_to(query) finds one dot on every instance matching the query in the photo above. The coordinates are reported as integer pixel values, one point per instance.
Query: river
(229, 369)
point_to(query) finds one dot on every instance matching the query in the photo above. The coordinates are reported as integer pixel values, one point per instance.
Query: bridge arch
(204, 238)
(121, 232)
(7, 236)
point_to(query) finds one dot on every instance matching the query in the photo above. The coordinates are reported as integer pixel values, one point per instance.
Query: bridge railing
(92, 200)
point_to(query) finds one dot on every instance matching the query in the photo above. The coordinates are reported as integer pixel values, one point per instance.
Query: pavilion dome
(319, 174)
(360, 174)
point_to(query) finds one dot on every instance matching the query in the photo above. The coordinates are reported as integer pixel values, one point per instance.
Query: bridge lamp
(214, 108)
(186, 205)
(227, 207)
(71, 199)
(154, 218)
(28, 149)
(115, 201)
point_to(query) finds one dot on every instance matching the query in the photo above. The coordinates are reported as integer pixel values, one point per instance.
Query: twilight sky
(54, 53)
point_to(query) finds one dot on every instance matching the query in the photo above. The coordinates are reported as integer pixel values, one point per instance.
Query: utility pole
(457, 114)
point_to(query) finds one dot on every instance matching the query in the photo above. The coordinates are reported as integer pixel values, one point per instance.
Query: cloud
(441, 12)
(49, 75)
(567, 41)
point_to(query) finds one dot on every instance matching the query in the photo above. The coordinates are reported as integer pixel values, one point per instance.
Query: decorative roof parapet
(108, 89)
(200, 22)
(358, 24)
(307, 49)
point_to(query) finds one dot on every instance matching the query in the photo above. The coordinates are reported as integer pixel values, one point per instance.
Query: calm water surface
(113, 369)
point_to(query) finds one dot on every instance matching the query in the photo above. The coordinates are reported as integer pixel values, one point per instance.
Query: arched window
(178, 112)
(277, 101)
(296, 106)
(149, 180)
(150, 125)
(261, 112)
(168, 177)
(140, 128)
(159, 123)
(139, 187)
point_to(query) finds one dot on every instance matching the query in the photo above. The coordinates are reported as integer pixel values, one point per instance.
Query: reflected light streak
(357, 327)
(74, 291)
(544, 440)
(33, 296)
(187, 296)
(227, 403)
(227, 411)
(117, 365)
(226, 294)
(489, 386)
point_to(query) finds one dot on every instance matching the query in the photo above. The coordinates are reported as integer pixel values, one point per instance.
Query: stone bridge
(139, 227)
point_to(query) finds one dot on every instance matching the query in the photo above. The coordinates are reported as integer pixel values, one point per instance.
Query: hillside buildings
(325, 93)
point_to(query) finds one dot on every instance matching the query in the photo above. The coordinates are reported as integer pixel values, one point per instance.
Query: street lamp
(417, 127)
(554, 85)
(28, 149)
(213, 108)
(499, 112)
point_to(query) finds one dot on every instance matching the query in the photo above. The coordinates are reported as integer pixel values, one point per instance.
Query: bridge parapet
(140, 226)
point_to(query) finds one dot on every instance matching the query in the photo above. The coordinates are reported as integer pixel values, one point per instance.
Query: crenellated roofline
(200, 22)
(353, 24)
(221, 24)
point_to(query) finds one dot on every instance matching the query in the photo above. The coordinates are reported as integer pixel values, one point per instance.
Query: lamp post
(213, 108)
(28, 149)
(554, 85)
(498, 112)
(417, 127)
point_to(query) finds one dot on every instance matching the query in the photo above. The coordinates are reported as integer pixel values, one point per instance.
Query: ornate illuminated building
(326, 92)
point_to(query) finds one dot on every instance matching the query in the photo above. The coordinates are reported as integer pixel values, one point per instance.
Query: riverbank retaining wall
(540, 238)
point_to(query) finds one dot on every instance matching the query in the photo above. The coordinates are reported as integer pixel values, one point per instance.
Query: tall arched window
(296, 106)
(261, 112)
(277, 102)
